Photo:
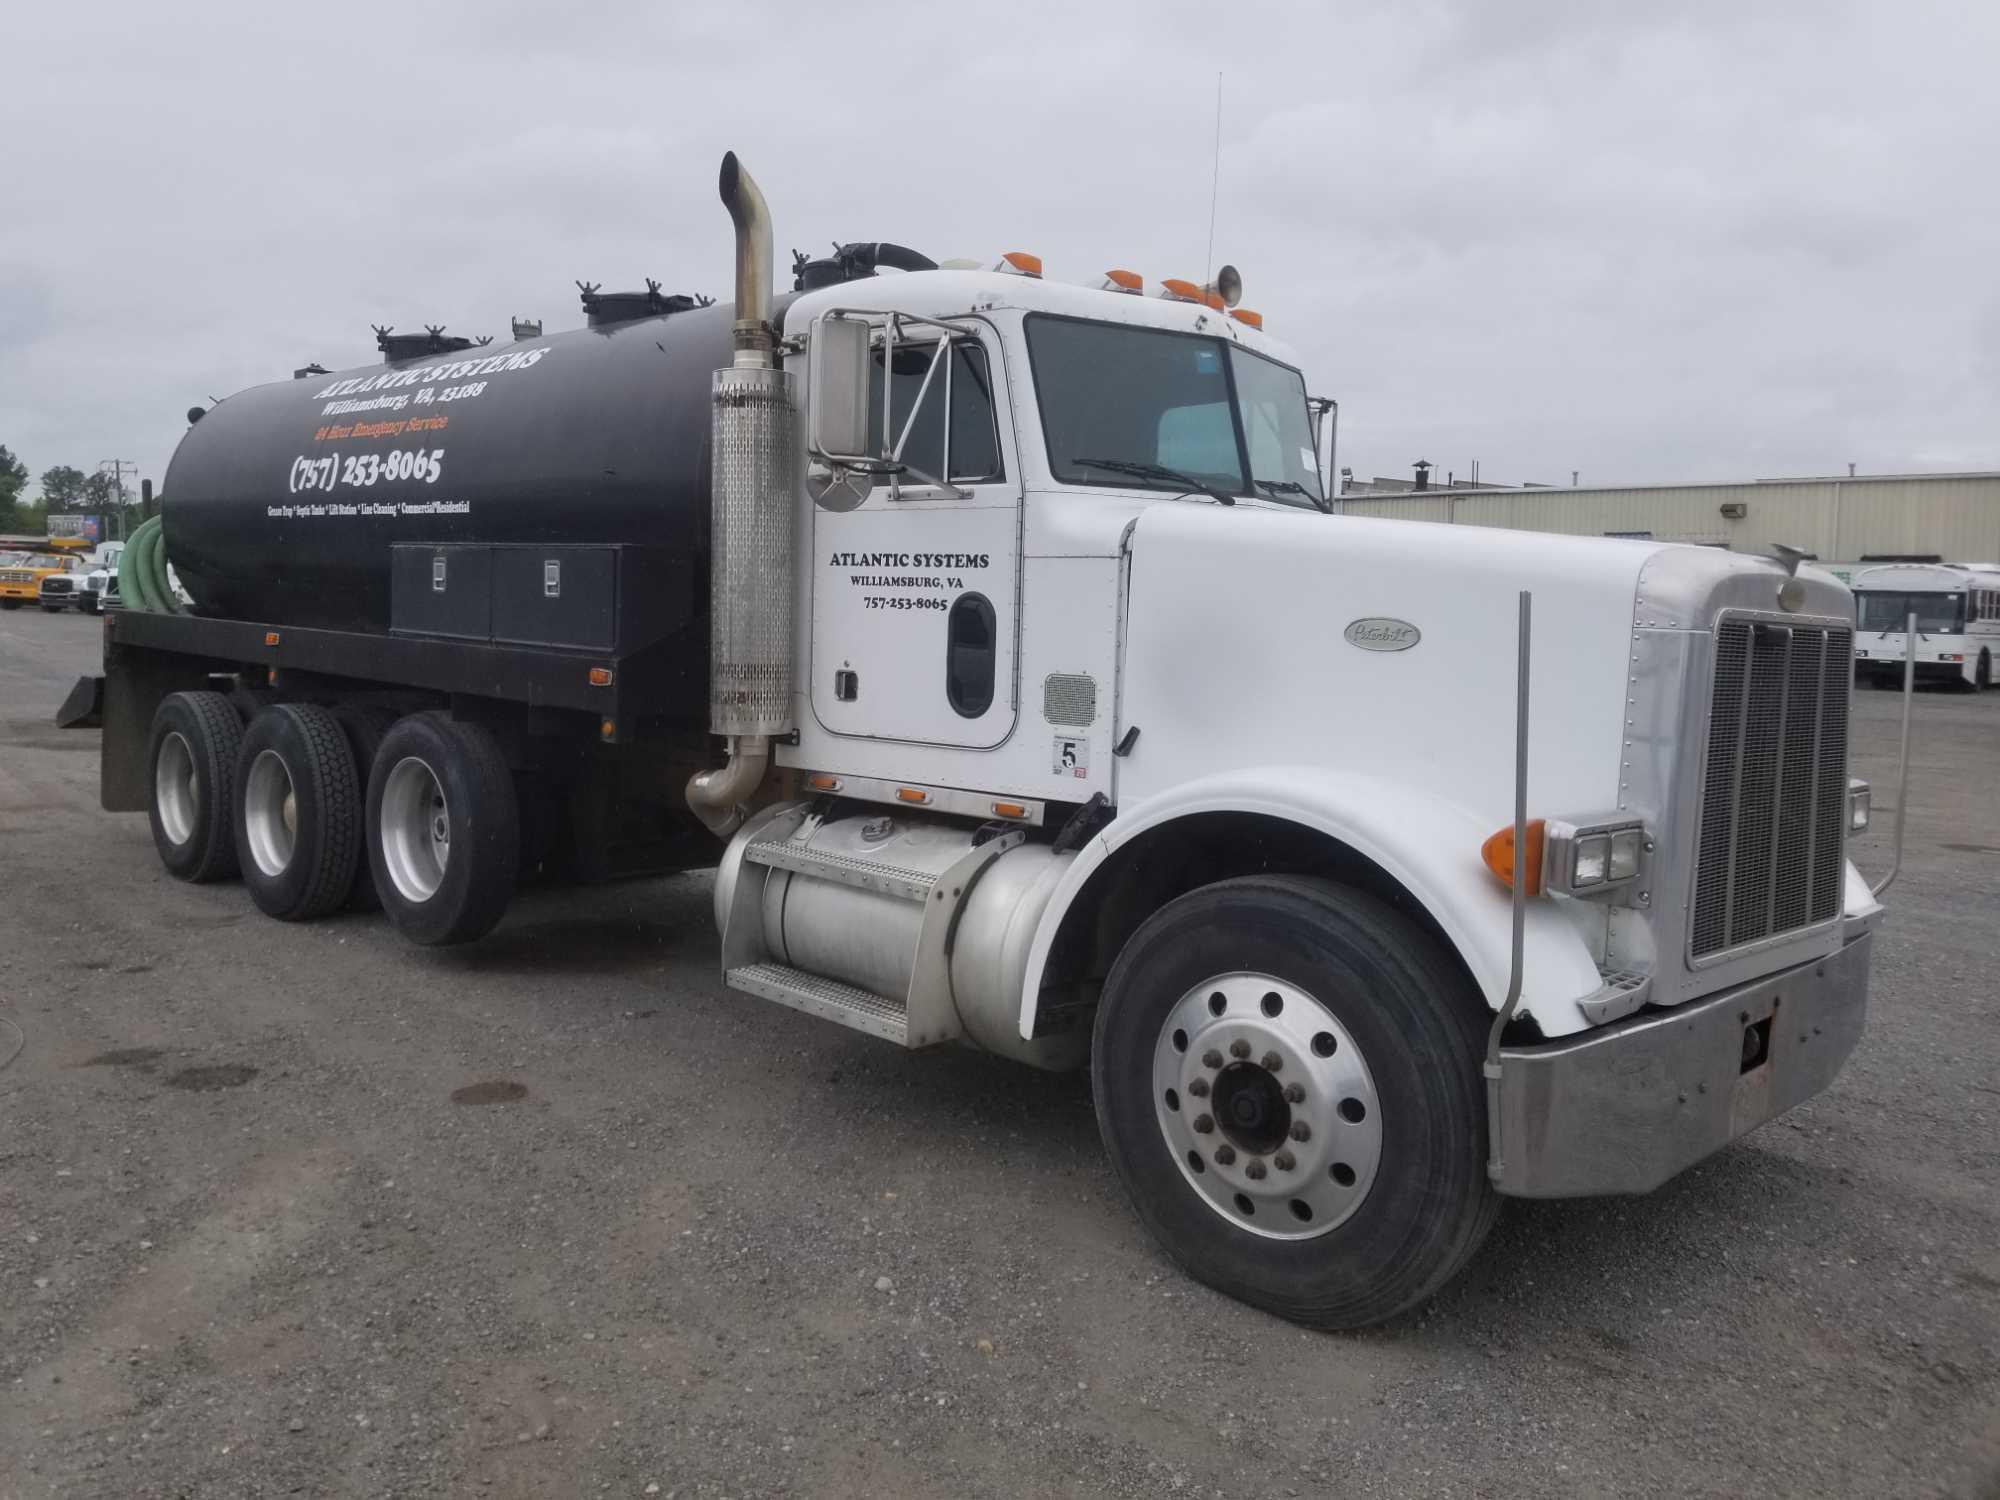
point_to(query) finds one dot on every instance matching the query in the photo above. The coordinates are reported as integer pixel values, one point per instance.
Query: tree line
(64, 490)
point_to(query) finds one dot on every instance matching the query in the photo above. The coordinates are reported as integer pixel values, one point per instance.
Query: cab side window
(975, 441)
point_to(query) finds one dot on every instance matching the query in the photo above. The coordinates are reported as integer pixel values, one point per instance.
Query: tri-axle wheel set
(318, 809)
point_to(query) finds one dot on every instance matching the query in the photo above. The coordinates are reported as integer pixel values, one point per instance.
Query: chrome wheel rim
(416, 829)
(271, 813)
(1267, 1105)
(174, 791)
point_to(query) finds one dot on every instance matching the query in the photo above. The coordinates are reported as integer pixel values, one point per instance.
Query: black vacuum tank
(282, 503)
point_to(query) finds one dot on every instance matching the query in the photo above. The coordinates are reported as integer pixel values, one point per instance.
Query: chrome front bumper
(1623, 1108)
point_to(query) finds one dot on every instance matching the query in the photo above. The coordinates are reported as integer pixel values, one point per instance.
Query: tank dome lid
(602, 307)
(433, 340)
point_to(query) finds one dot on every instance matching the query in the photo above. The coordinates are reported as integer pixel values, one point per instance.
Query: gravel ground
(301, 1210)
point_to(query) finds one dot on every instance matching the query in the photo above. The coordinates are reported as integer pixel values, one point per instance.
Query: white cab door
(915, 589)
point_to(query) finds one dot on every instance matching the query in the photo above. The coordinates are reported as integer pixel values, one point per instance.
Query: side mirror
(837, 389)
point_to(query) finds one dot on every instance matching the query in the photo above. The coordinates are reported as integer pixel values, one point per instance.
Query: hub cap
(270, 813)
(174, 791)
(1267, 1105)
(416, 829)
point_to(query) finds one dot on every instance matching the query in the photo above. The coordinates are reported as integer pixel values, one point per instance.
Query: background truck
(21, 578)
(992, 634)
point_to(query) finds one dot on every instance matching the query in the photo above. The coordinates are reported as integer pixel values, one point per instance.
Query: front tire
(193, 751)
(1287, 1077)
(298, 812)
(1983, 676)
(444, 829)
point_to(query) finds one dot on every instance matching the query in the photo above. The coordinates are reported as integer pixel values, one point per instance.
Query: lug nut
(1203, 1124)
(1198, 1087)
(1295, 1093)
(1284, 1161)
(1254, 1170)
(1239, 1049)
(1272, 1062)
(1224, 1155)
(1301, 1131)
(1211, 1058)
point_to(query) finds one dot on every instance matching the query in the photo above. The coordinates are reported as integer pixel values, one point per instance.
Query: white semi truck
(1048, 713)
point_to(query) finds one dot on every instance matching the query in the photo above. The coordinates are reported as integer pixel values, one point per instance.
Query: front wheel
(1983, 676)
(1287, 1080)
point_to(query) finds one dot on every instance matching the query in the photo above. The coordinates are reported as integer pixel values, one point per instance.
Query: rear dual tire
(193, 751)
(444, 829)
(298, 812)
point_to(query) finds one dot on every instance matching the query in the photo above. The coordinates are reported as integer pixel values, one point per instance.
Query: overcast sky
(1646, 242)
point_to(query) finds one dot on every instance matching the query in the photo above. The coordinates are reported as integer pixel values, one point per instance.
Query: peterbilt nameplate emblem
(1382, 634)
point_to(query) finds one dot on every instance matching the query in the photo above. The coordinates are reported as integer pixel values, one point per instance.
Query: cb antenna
(1214, 185)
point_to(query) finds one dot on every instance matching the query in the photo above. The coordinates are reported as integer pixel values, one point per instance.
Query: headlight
(1592, 859)
(1588, 857)
(1626, 846)
(1859, 800)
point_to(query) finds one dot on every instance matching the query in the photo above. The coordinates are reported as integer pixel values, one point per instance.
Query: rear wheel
(444, 829)
(193, 752)
(1983, 677)
(1287, 1080)
(365, 725)
(10, 603)
(298, 812)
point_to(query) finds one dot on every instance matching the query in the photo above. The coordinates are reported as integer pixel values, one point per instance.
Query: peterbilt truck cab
(1105, 737)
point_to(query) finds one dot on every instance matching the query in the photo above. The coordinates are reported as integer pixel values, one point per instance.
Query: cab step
(828, 999)
(802, 859)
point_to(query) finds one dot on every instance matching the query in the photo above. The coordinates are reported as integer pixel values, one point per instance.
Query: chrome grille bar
(1769, 850)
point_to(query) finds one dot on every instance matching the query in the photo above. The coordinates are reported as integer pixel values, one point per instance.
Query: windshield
(46, 560)
(1936, 613)
(1212, 413)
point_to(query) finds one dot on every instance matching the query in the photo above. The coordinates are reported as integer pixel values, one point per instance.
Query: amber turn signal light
(1498, 852)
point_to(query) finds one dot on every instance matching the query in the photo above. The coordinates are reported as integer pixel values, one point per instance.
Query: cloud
(1649, 243)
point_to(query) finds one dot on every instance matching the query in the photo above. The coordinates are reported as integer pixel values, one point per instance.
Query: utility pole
(116, 468)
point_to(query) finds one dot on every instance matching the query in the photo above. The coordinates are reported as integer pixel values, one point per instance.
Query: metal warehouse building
(1846, 519)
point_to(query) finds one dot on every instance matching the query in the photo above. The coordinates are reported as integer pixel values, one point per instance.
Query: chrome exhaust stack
(751, 542)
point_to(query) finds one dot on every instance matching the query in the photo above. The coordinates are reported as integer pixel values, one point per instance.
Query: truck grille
(1774, 794)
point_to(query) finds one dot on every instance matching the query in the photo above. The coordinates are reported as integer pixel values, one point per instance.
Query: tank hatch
(602, 307)
(433, 340)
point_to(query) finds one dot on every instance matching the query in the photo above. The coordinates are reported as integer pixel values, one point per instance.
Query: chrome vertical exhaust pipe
(745, 202)
(751, 529)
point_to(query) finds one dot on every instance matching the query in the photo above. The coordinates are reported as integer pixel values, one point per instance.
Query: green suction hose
(142, 571)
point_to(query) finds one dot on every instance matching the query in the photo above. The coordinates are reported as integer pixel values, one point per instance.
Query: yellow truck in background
(22, 572)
